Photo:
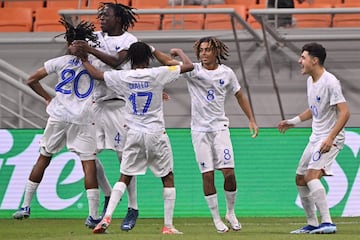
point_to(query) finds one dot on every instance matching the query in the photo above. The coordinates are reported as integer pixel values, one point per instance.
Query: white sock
(93, 196)
(230, 202)
(30, 189)
(308, 204)
(169, 195)
(212, 202)
(131, 188)
(116, 194)
(132, 194)
(102, 179)
(318, 193)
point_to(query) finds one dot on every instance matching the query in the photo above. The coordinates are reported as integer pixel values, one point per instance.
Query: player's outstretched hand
(283, 126)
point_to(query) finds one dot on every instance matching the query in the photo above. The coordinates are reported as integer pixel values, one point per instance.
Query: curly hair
(126, 15)
(83, 31)
(220, 50)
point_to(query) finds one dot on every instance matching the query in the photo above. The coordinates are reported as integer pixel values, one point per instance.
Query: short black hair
(139, 53)
(315, 50)
(83, 31)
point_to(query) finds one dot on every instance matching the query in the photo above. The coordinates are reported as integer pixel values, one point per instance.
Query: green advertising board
(265, 171)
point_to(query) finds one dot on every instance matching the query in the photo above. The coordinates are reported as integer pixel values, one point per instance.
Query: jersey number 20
(69, 75)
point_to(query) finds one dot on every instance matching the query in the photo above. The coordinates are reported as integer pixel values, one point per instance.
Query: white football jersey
(143, 90)
(110, 45)
(73, 101)
(323, 95)
(208, 90)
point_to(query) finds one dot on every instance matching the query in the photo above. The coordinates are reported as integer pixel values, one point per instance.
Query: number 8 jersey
(73, 101)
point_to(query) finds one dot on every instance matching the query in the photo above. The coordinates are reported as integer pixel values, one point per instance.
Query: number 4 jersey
(73, 101)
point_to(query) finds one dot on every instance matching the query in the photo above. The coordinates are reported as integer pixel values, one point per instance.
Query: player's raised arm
(187, 65)
(111, 60)
(96, 74)
(163, 58)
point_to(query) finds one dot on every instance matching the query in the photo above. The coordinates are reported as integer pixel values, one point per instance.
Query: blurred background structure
(264, 51)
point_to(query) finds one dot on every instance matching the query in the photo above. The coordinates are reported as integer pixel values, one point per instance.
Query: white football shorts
(313, 159)
(110, 125)
(79, 139)
(144, 150)
(213, 150)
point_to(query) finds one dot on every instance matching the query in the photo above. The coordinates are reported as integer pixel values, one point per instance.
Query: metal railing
(253, 36)
(22, 112)
(286, 36)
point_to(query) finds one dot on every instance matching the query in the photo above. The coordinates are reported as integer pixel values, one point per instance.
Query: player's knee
(300, 180)
(168, 180)
(87, 156)
(208, 177)
(44, 152)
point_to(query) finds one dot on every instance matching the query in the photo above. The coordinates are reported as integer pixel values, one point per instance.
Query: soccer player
(147, 144)
(71, 118)
(209, 84)
(329, 113)
(114, 42)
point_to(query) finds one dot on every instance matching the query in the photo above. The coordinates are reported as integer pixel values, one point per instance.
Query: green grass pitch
(193, 228)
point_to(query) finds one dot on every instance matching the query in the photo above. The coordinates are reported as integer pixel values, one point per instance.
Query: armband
(294, 120)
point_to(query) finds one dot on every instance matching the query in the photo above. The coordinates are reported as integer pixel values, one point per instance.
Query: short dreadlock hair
(125, 13)
(83, 31)
(220, 50)
(139, 53)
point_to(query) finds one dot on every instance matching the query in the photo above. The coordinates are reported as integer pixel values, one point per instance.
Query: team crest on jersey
(317, 98)
(221, 82)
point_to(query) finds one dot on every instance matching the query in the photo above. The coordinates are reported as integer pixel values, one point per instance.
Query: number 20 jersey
(74, 90)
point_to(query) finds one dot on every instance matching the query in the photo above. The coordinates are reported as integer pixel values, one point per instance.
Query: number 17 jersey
(143, 89)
